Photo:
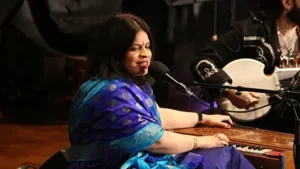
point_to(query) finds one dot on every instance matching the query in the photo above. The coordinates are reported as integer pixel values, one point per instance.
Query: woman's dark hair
(273, 8)
(107, 53)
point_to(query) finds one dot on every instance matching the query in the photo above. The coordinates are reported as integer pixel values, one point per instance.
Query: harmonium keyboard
(263, 148)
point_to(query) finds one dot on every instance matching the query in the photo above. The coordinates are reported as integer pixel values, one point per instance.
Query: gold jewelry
(196, 144)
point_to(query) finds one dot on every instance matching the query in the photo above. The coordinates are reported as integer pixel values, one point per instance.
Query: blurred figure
(267, 36)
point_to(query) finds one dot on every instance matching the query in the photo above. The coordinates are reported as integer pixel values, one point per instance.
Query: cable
(234, 111)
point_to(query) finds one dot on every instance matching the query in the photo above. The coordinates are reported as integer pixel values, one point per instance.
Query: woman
(115, 122)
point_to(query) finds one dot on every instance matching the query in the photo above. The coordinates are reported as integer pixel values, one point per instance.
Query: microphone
(160, 71)
(294, 81)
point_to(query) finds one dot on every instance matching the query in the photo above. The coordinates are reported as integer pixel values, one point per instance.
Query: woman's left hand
(217, 120)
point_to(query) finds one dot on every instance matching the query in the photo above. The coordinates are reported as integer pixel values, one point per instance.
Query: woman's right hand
(218, 140)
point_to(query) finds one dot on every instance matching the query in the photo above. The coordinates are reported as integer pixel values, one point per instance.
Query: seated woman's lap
(216, 158)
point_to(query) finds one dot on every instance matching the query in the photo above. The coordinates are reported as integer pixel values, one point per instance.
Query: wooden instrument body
(276, 141)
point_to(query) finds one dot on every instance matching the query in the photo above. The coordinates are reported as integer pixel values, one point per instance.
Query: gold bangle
(196, 145)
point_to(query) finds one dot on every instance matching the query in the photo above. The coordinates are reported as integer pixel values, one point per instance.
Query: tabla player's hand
(244, 100)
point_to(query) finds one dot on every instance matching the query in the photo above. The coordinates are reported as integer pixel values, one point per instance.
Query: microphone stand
(292, 103)
(281, 93)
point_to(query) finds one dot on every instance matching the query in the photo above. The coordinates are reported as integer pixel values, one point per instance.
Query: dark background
(37, 85)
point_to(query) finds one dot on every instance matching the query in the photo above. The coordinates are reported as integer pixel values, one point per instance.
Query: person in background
(116, 123)
(268, 35)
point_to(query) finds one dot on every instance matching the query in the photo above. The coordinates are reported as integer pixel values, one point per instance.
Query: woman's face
(138, 57)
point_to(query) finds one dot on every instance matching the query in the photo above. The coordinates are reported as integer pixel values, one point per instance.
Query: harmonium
(263, 148)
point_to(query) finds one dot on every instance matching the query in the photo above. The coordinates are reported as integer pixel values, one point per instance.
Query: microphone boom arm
(281, 93)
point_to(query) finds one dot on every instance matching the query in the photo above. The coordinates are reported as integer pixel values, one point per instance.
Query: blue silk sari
(113, 122)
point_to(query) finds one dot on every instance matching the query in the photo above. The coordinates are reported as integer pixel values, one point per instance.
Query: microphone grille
(158, 70)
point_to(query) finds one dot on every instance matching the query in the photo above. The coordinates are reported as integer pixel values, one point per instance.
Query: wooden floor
(30, 144)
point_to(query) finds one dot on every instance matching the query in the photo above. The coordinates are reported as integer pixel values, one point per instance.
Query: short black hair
(107, 53)
(273, 8)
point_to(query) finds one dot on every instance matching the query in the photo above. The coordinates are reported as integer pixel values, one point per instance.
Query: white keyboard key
(250, 149)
